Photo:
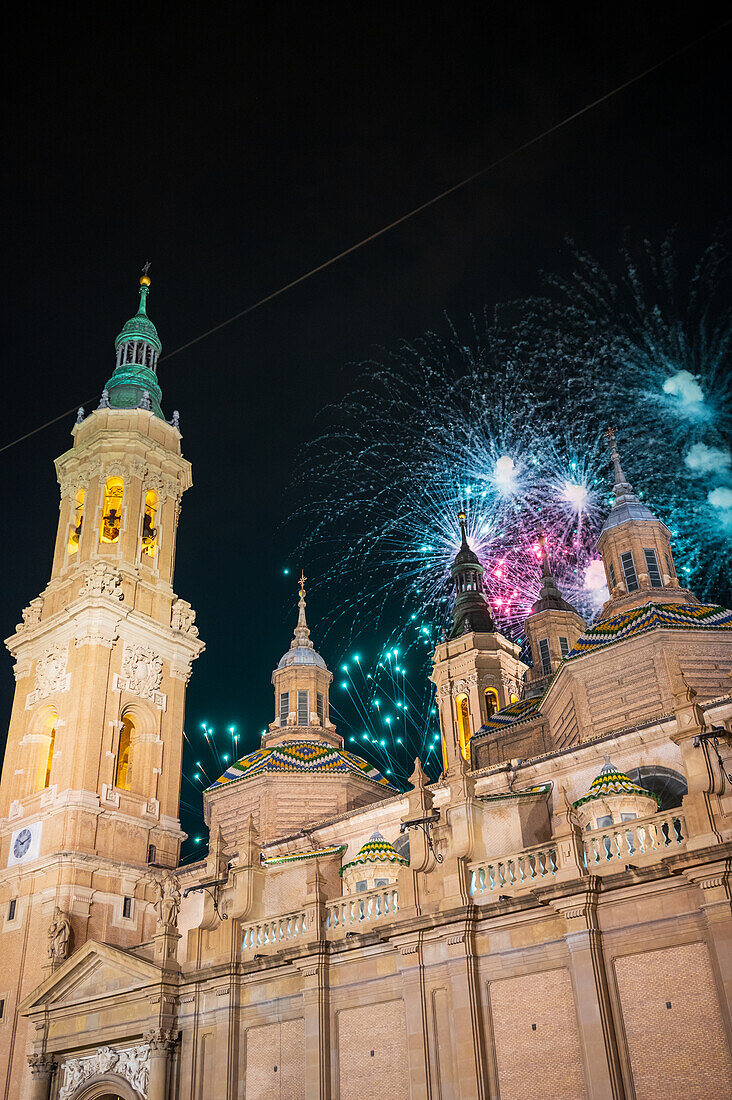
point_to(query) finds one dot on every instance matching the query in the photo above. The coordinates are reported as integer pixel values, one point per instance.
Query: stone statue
(59, 935)
(167, 902)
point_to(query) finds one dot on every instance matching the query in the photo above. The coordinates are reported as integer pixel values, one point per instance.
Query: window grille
(320, 707)
(564, 646)
(654, 573)
(546, 661)
(611, 571)
(284, 707)
(303, 716)
(631, 580)
(669, 566)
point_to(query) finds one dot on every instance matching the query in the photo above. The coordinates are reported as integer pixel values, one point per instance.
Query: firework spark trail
(509, 417)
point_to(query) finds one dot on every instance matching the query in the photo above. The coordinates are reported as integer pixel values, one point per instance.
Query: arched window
(121, 779)
(668, 784)
(514, 698)
(45, 754)
(112, 510)
(491, 702)
(77, 519)
(462, 709)
(149, 530)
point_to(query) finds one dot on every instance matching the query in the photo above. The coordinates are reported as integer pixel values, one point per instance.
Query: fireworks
(510, 419)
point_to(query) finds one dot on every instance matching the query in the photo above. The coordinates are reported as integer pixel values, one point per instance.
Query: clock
(22, 843)
(25, 843)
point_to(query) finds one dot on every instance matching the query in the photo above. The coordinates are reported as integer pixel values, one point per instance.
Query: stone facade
(560, 923)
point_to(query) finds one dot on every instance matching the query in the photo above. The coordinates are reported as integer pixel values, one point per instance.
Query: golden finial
(145, 278)
(303, 578)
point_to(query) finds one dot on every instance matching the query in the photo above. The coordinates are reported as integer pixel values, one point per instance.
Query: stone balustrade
(271, 934)
(653, 836)
(525, 868)
(351, 913)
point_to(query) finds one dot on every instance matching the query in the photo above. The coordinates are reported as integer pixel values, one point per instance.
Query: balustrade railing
(658, 834)
(522, 869)
(351, 913)
(288, 929)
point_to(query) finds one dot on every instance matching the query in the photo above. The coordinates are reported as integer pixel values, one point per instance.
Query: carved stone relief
(102, 580)
(133, 1064)
(183, 618)
(142, 673)
(31, 614)
(51, 675)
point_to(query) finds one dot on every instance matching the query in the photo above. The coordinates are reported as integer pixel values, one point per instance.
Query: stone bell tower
(476, 669)
(91, 779)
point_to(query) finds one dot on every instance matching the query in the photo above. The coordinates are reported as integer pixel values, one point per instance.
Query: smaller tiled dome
(611, 782)
(377, 849)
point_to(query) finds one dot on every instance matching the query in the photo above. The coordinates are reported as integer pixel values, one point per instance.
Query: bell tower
(476, 669)
(89, 795)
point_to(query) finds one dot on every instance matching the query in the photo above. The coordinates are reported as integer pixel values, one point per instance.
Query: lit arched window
(462, 709)
(514, 698)
(77, 519)
(491, 702)
(45, 754)
(112, 510)
(123, 754)
(149, 530)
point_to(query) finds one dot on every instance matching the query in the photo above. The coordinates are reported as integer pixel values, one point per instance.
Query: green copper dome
(134, 383)
(140, 327)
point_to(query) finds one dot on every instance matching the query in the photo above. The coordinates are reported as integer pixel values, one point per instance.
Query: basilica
(551, 918)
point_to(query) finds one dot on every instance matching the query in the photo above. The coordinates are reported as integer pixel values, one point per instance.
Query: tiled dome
(610, 781)
(301, 758)
(377, 849)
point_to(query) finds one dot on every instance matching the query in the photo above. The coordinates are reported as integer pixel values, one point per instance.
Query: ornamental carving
(171, 488)
(153, 480)
(114, 469)
(137, 468)
(102, 580)
(183, 618)
(51, 674)
(42, 1066)
(142, 672)
(167, 902)
(133, 1064)
(31, 614)
(162, 1038)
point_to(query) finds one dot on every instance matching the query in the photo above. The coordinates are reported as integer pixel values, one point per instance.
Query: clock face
(22, 843)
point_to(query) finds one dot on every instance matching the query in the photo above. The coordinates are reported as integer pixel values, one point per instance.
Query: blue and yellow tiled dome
(301, 758)
(377, 849)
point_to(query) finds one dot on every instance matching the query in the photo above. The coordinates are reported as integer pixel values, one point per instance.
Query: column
(409, 960)
(162, 1044)
(592, 999)
(316, 1004)
(473, 1078)
(42, 1067)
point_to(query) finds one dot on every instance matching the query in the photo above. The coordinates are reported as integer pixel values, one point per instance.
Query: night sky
(238, 149)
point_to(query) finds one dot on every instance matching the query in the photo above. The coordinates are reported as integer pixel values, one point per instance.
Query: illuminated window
(463, 720)
(284, 707)
(654, 573)
(77, 520)
(45, 757)
(149, 530)
(123, 754)
(320, 707)
(631, 580)
(611, 571)
(491, 702)
(546, 661)
(563, 646)
(514, 698)
(303, 716)
(112, 510)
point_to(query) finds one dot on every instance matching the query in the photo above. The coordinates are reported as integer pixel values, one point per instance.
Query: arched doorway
(110, 1086)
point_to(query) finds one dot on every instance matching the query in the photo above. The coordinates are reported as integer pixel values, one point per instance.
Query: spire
(549, 596)
(301, 636)
(627, 505)
(138, 349)
(622, 485)
(471, 611)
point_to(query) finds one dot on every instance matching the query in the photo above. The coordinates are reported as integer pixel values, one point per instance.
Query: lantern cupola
(134, 383)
